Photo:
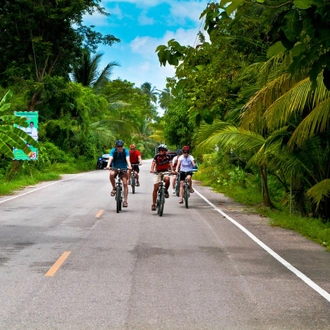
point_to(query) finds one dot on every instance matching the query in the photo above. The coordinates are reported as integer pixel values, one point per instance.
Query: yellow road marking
(57, 264)
(99, 213)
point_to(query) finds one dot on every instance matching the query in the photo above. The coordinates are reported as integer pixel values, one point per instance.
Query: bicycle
(133, 179)
(119, 189)
(160, 201)
(186, 190)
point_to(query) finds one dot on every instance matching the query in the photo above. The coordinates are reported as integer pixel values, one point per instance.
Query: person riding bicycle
(136, 160)
(185, 165)
(160, 163)
(119, 158)
(175, 162)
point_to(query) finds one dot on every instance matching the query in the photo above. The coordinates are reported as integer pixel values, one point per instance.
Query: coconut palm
(150, 91)
(86, 70)
(291, 101)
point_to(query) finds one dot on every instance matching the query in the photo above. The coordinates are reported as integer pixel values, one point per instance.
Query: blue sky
(142, 25)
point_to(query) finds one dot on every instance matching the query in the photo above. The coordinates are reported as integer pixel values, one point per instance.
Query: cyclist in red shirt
(136, 160)
(160, 163)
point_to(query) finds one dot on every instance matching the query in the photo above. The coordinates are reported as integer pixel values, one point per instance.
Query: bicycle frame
(119, 189)
(160, 201)
(133, 179)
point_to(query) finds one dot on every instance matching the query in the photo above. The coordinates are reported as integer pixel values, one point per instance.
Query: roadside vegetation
(251, 98)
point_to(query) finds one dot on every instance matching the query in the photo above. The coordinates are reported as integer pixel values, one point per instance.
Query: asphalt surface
(69, 261)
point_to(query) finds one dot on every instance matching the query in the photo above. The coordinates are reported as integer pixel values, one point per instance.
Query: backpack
(118, 155)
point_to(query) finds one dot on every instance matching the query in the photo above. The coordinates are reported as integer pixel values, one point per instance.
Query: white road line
(286, 264)
(34, 190)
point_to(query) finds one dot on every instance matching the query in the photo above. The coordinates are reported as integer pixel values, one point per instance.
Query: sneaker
(173, 192)
(137, 183)
(166, 194)
(153, 207)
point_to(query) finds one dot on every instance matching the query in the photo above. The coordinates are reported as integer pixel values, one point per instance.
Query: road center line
(99, 213)
(52, 270)
(286, 264)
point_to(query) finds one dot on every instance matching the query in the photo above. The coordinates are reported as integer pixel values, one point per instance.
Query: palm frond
(319, 191)
(232, 137)
(315, 122)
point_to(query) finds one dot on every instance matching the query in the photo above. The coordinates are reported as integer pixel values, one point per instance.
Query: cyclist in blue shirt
(119, 158)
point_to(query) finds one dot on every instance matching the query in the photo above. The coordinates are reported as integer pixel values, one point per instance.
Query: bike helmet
(179, 152)
(132, 146)
(185, 148)
(162, 146)
(119, 143)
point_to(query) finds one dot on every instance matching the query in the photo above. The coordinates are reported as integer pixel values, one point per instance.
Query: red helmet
(185, 148)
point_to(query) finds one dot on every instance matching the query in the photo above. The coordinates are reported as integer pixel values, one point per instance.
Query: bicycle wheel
(160, 205)
(118, 199)
(186, 194)
(177, 185)
(133, 183)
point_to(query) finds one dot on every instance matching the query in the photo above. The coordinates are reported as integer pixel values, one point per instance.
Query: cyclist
(136, 160)
(185, 165)
(175, 161)
(119, 158)
(160, 163)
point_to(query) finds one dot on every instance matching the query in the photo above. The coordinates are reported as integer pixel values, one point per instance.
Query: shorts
(184, 174)
(123, 173)
(136, 168)
(157, 178)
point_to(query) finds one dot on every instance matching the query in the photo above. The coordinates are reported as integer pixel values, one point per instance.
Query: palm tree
(290, 102)
(150, 91)
(85, 70)
(165, 98)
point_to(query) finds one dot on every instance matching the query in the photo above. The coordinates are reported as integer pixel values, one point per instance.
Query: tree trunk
(34, 100)
(265, 191)
(16, 165)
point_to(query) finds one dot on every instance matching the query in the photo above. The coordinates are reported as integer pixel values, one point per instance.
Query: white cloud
(144, 19)
(183, 10)
(138, 59)
(96, 19)
(147, 45)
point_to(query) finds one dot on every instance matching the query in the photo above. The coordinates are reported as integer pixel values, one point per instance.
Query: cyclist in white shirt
(175, 162)
(185, 165)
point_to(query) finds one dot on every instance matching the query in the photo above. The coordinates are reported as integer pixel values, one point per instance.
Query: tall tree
(40, 38)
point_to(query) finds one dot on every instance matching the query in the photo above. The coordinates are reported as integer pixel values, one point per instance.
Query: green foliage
(178, 129)
(219, 171)
(44, 38)
(11, 136)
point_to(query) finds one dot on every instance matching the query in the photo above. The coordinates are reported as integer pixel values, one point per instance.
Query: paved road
(69, 261)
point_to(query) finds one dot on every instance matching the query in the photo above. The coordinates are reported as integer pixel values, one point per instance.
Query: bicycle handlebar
(193, 170)
(119, 169)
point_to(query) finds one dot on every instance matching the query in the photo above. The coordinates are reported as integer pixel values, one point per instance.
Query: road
(69, 261)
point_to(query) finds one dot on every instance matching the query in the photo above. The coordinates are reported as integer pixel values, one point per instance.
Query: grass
(31, 175)
(311, 228)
